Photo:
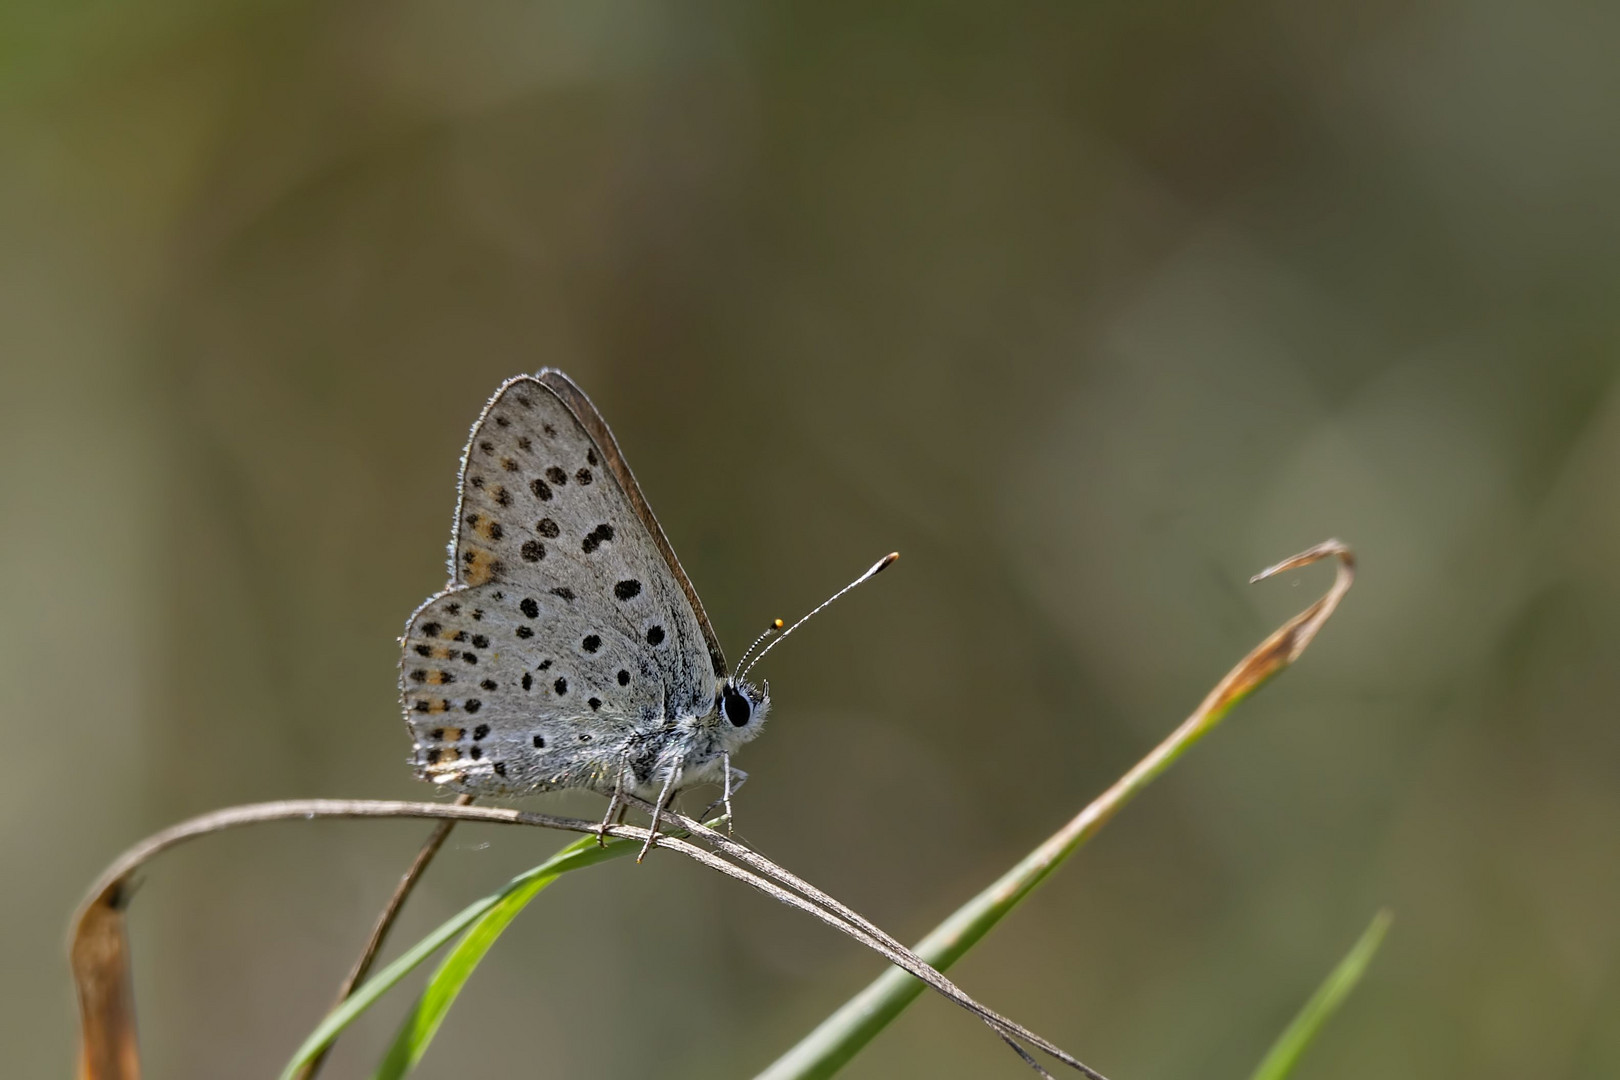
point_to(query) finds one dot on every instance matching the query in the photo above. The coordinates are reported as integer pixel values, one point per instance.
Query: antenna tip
(886, 562)
(776, 624)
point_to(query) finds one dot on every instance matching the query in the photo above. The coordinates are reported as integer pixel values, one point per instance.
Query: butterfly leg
(734, 779)
(658, 807)
(726, 791)
(616, 803)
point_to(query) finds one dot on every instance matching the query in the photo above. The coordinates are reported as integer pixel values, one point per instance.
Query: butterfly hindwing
(564, 629)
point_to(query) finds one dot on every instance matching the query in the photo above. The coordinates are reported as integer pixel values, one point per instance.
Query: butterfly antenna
(877, 568)
(776, 624)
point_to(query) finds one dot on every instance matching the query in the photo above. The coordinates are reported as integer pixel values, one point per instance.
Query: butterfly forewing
(564, 629)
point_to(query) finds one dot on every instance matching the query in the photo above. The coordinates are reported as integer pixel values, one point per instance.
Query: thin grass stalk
(837, 1039)
(1290, 1046)
(384, 923)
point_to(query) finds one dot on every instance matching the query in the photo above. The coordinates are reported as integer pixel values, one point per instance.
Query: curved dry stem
(99, 947)
(108, 1050)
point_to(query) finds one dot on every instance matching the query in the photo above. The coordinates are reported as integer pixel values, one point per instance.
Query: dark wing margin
(580, 405)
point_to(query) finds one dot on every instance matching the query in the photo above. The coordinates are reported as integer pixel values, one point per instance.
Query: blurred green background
(1090, 310)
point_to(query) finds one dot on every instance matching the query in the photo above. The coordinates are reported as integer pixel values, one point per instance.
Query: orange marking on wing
(478, 566)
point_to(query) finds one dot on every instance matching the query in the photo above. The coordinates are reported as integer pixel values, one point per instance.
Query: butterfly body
(569, 649)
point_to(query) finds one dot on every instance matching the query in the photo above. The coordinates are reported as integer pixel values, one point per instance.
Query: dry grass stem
(100, 951)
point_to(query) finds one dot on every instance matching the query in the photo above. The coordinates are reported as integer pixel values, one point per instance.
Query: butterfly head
(740, 705)
(742, 708)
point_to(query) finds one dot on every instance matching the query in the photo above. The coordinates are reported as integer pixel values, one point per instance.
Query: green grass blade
(419, 1027)
(1290, 1045)
(838, 1038)
(574, 856)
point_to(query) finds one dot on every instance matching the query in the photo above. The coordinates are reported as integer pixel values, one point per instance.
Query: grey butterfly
(569, 649)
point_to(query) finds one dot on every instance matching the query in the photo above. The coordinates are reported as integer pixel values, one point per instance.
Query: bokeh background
(1090, 310)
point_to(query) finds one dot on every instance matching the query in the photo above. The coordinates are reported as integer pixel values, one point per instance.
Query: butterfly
(569, 649)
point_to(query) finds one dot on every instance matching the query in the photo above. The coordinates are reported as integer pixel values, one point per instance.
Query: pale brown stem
(99, 925)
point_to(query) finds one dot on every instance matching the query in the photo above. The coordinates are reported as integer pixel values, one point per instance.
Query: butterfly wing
(599, 432)
(567, 625)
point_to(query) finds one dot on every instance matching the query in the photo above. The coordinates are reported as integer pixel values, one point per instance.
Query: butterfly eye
(738, 709)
